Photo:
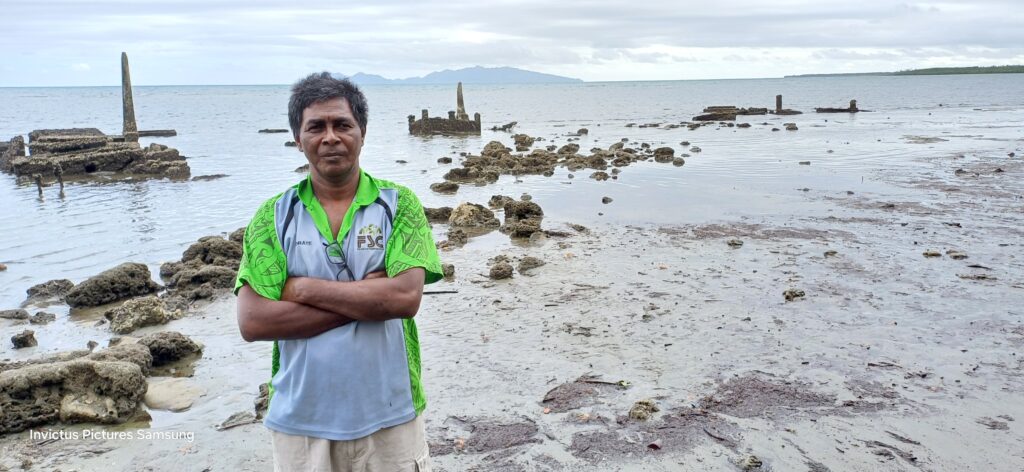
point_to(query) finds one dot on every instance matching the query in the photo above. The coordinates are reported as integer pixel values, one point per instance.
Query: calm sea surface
(741, 173)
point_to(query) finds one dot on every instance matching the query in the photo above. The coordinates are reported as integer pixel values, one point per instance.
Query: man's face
(331, 139)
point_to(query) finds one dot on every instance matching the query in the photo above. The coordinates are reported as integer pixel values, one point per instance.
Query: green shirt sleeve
(411, 243)
(264, 266)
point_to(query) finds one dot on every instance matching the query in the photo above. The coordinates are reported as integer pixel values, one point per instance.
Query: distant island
(469, 75)
(930, 71)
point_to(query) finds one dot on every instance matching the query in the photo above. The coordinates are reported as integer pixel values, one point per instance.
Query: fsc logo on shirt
(370, 237)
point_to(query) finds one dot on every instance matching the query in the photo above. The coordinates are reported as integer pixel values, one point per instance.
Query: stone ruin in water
(53, 153)
(457, 123)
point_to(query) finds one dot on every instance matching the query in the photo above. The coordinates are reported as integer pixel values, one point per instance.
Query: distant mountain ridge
(469, 75)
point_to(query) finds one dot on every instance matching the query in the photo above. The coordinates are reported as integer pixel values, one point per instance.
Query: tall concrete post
(778, 103)
(460, 104)
(131, 130)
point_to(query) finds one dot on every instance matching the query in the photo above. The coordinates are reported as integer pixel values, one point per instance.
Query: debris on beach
(750, 462)
(522, 219)
(931, 253)
(735, 243)
(457, 123)
(643, 410)
(579, 393)
(15, 314)
(529, 262)
(482, 435)
(606, 200)
(757, 395)
(505, 127)
(523, 141)
(241, 418)
(140, 312)
(500, 269)
(207, 178)
(42, 318)
(448, 271)
(24, 339)
(793, 294)
(130, 279)
(955, 254)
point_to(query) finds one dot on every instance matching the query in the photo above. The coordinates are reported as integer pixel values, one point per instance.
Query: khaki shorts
(401, 448)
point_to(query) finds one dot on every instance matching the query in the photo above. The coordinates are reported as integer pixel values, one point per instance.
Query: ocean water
(740, 173)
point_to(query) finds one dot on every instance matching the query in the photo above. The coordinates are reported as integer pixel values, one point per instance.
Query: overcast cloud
(267, 42)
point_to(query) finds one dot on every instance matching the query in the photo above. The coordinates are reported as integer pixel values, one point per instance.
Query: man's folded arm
(263, 319)
(376, 299)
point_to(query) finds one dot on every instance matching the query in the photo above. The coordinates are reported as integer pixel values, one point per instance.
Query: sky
(183, 42)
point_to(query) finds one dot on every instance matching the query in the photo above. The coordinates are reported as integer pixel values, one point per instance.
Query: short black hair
(320, 87)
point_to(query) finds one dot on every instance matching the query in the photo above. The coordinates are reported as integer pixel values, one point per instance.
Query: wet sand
(890, 361)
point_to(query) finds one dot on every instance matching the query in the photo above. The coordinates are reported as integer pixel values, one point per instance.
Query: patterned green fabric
(264, 266)
(411, 243)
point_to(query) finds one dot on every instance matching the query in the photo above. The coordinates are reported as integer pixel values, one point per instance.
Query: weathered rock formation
(169, 346)
(10, 150)
(472, 215)
(49, 290)
(457, 123)
(208, 265)
(26, 338)
(522, 219)
(138, 313)
(438, 215)
(104, 387)
(124, 281)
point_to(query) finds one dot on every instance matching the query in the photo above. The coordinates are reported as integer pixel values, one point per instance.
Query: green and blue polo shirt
(351, 381)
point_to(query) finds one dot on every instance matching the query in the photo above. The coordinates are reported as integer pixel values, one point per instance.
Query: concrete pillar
(39, 183)
(424, 113)
(59, 172)
(131, 130)
(451, 115)
(476, 118)
(778, 103)
(853, 104)
(460, 104)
